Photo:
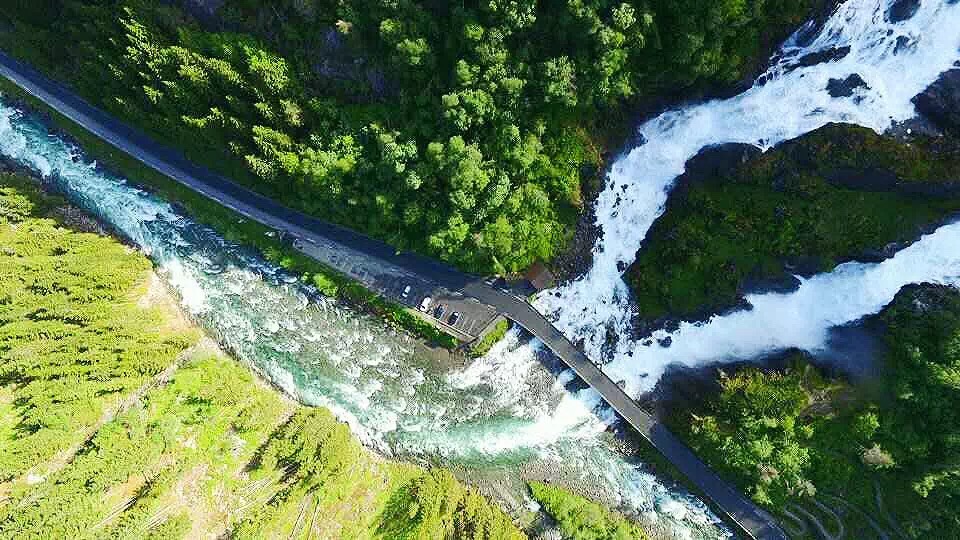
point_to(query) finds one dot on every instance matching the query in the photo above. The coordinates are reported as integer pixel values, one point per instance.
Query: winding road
(748, 519)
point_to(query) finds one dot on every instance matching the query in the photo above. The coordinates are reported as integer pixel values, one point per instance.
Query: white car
(425, 305)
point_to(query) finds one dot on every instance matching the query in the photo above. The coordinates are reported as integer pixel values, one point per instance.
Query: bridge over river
(387, 271)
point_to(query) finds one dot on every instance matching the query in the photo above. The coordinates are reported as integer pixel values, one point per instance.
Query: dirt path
(41, 471)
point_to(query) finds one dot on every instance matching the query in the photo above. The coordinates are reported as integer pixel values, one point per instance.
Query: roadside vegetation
(838, 193)
(580, 519)
(236, 228)
(489, 339)
(877, 458)
(460, 131)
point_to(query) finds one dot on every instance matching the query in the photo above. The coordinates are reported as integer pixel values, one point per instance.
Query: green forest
(473, 132)
(462, 131)
(884, 451)
(118, 421)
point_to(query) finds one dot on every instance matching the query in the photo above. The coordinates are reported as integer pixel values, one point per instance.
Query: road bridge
(384, 269)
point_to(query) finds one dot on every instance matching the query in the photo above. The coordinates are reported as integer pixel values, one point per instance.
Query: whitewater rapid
(897, 61)
(494, 418)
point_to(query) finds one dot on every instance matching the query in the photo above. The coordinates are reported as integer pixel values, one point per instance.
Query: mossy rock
(839, 193)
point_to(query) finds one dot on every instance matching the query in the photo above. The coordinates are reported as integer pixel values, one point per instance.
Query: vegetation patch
(72, 338)
(490, 339)
(835, 194)
(332, 488)
(579, 518)
(882, 455)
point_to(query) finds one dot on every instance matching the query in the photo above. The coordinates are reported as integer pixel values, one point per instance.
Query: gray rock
(940, 102)
(826, 55)
(845, 87)
(902, 10)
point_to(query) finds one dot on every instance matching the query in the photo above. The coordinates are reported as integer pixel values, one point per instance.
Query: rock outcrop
(902, 10)
(845, 87)
(940, 102)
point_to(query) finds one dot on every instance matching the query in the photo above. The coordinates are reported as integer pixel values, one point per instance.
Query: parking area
(463, 317)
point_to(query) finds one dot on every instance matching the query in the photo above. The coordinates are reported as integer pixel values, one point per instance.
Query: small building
(540, 277)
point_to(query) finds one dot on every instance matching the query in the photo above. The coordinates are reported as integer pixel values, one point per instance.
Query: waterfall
(896, 60)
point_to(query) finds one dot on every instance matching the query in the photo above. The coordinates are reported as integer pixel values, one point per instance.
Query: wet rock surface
(820, 57)
(577, 258)
(845, 87)
(805, 35)
(902, 10)
(940, 102)
(925, 298)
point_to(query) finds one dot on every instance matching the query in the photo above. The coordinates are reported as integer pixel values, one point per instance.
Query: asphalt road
(740, 511)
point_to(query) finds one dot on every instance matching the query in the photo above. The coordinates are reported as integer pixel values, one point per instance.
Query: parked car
(441, 309)
(454, 318)
(425, 304)
(405, 293)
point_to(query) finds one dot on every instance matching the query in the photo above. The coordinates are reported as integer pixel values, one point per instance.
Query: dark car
(441, 309)
(454, 318)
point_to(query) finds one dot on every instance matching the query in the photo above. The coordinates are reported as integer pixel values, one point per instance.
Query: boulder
(845, 87)
(940, 102)
(717, 159)
(902, 10)
(826, 55)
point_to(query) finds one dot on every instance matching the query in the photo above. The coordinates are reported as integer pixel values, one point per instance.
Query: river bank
(259, 314)
(158, 294)
(237, 228)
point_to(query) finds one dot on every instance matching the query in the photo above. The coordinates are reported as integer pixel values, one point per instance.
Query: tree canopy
(453, 129)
